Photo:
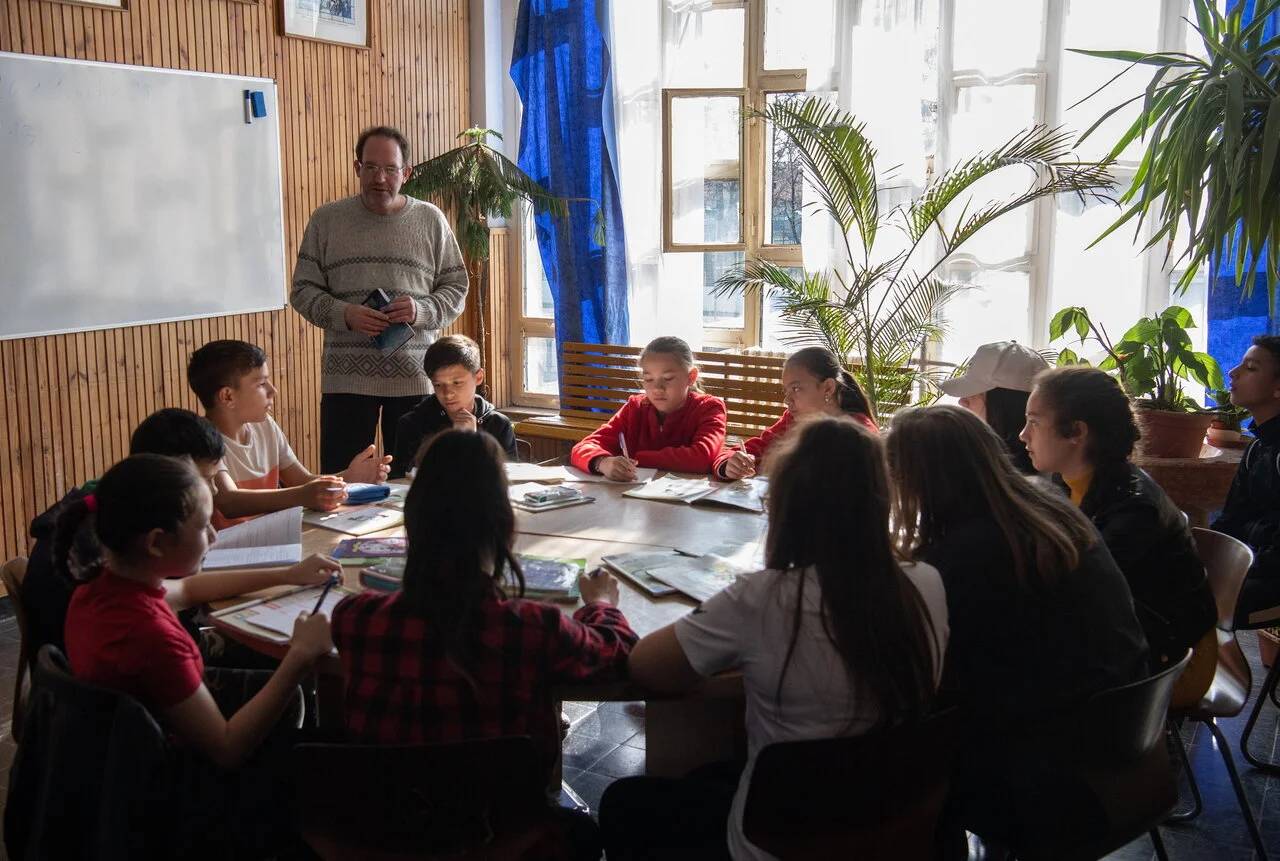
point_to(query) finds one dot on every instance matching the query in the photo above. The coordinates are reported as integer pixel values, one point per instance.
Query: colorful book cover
(551, 578)
(361, 548)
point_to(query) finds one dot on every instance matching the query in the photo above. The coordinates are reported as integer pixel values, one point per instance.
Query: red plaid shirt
(400, 689)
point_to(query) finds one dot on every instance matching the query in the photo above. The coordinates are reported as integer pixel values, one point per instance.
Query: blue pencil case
(360, 494)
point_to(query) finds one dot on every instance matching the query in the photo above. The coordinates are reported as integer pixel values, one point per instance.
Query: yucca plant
(877, 310)
(474, 182)
(1211, 144)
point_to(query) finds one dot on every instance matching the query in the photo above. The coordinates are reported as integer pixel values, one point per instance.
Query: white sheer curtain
(666, 295)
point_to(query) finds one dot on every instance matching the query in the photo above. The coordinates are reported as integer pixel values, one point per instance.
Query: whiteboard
(133, 195)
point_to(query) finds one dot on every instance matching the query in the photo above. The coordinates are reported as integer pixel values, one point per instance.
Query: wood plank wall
(70, 401)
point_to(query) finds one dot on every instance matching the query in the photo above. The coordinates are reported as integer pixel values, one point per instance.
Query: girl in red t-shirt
(673, 425)
(813, 384)
(151, 516)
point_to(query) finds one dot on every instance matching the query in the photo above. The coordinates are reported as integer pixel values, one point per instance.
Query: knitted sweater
(347, 252)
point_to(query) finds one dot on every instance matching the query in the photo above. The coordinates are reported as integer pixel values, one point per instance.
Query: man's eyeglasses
(372, 170)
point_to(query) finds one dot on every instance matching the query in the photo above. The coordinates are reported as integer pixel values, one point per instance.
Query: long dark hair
(822, 363)
(948, 466)
(1007, 414)
(460, 527)
(140, 493)
(828, 493)
(1094, 398)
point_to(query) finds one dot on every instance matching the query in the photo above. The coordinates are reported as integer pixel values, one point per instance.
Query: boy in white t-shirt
(808, 675)
(260, 473)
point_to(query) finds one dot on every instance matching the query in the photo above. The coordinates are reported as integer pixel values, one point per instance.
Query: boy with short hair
(453, 365)
(233, 382)
(1252, 510)
(172, 432)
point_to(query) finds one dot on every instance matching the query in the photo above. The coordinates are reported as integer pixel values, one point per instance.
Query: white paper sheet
(282, 527)
(534, 472)
(253, 557)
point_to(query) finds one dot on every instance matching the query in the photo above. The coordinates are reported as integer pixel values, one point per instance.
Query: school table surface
(682, 731)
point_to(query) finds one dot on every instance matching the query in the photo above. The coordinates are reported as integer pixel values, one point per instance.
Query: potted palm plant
(1210, 144)
(1154, 361)
(878, 307)
(475, 182)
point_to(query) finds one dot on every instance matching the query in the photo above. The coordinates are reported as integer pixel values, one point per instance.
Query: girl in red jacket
(813, 383)
(671, 426)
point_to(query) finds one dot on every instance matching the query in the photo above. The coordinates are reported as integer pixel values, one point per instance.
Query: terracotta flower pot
(1166, 434)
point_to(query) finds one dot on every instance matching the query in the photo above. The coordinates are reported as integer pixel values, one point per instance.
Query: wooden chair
(1114, 749)
(11, 574)
(870, 796)
(1227, 561)
(467, 800)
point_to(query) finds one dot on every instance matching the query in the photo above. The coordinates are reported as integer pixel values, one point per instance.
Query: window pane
(996, 308)
(708, 47)
(537, 292)
(1105, 25)
(721, 312)
(540, 372)
(1107, 279)
(706, 175)
(797, 34)
(985, 118)
(997, 36)
(772, 327)
(784, 185)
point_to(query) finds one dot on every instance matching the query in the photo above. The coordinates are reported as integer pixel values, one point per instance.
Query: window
(1029, 264)
(534, 335)
(731, 191)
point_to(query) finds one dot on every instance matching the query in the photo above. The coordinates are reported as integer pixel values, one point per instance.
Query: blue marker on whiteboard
(248, 107)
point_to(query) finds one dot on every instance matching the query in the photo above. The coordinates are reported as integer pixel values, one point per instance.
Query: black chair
(871, 796)
(1227, 561)
(1113, 749)
(1268, 692)
(90, 777)
(461, 801)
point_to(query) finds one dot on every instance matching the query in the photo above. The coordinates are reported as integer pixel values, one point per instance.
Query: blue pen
(333, 581)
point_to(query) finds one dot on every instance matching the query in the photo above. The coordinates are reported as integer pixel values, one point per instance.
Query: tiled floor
(606, 742)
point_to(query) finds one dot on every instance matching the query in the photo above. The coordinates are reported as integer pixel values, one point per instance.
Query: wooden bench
(598, 379)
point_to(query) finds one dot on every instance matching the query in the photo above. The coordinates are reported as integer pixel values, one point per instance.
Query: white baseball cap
(1003, 365)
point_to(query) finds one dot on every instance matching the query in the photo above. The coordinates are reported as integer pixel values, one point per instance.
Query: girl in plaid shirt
(458, 654)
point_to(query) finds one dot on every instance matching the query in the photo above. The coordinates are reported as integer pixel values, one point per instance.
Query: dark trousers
(1257, 593)
(670, 818)
(348, 423)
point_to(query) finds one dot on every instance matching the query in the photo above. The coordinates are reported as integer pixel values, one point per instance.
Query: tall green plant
(1211, 144)
(474, 182)
(876, 310)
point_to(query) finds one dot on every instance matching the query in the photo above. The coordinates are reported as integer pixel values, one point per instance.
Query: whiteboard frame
(284, 252)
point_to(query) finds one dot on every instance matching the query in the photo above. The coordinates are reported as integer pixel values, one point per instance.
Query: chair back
(92, 776)
(1226, 562)
(437, 800)
(1102, 776)
(871, 796)
(11, 575)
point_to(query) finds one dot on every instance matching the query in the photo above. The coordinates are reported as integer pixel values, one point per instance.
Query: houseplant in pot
(887, 294)
(1154, 360)
(1228, 422)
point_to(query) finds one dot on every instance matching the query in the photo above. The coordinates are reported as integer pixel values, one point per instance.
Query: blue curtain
(560, 66)
(1234, 318)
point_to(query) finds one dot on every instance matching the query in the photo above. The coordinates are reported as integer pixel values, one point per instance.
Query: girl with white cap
(995, 386)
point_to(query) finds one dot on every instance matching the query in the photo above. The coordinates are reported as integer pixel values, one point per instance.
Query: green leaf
(1067, 357)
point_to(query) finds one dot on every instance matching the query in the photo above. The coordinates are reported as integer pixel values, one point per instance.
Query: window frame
(758, 85)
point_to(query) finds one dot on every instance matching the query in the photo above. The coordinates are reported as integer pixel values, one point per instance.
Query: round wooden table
(682, 731)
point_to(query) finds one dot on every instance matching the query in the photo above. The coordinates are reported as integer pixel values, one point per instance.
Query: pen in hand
(622, 440)
(329, 584)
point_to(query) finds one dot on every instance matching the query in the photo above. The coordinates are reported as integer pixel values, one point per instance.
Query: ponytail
(140, 493)
(66, 531)
(852, 397)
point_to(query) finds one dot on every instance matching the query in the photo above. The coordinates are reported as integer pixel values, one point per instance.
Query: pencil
(329, 584)
(622, 440)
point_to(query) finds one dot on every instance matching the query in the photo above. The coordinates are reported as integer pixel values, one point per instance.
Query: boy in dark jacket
(1252, 511)
(453, 365)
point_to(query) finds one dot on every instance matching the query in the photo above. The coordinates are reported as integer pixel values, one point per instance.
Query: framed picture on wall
(343, 21)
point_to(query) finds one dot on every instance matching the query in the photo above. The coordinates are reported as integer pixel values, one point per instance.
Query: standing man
(379, 238)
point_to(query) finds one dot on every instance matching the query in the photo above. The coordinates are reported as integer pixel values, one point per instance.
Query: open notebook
(263, 542)
(747, 494)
